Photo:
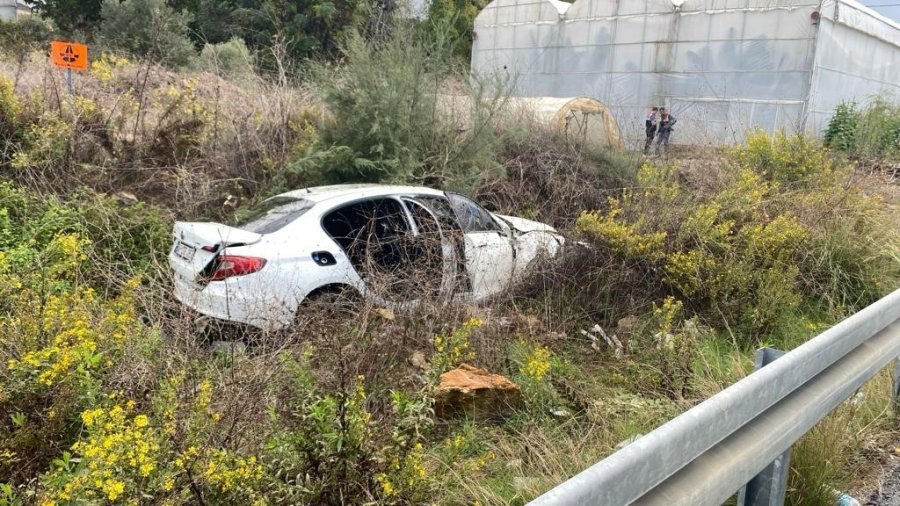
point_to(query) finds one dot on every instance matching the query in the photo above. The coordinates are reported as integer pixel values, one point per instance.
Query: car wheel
(329, 304)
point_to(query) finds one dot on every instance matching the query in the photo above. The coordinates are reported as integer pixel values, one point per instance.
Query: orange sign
(68, 55)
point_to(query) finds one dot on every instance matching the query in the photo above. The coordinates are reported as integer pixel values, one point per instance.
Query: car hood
(523, 225)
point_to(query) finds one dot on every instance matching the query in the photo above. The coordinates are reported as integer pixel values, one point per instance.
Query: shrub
(461, 15)
(61, 341)
(20, 37)
(387, 125)
(125, 240)
(869, 132)
(759, 246)
(545, 179)
(841, 131)
(10, 127)
(147, 28)
(878, 130)
(229, 59)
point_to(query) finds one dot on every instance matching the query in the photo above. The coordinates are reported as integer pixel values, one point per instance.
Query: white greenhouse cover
(719, 66)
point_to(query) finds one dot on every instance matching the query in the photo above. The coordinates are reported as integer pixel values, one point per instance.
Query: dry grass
(194, 142)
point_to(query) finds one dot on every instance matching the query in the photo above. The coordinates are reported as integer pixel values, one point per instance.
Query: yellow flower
(141, 421)
(113, 489)
(147, 468)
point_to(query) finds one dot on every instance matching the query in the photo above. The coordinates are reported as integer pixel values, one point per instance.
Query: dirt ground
(886, 491)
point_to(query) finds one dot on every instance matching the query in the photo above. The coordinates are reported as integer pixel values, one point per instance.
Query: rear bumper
(229, 301)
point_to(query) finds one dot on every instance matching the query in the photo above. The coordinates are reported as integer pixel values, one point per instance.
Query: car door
(490, 256)
(452, 242)
(435, 256)
(375, 236)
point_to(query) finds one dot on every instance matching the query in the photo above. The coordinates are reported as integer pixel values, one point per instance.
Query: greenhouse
(719, 66)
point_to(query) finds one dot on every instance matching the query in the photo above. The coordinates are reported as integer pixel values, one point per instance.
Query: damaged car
(391, 244)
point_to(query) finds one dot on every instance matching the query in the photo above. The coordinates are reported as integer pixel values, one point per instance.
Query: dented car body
(391, 244)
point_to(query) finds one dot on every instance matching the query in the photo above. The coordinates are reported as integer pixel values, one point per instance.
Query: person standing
(664, 130)
(650, 125)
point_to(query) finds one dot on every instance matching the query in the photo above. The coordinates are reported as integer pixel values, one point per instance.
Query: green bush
(462, 15)
(123, 239)
(10, 127)
(870, 132)
(229, 59)
(387, 124)
(20, 37)
(841, 131)
(147, 28)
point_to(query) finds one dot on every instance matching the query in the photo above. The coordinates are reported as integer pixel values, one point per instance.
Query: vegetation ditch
(111, 395)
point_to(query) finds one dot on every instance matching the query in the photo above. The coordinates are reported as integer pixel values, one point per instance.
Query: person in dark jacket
(650, 126)
(664, 130)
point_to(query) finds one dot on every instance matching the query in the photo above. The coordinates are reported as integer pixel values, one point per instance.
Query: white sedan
(391, 244)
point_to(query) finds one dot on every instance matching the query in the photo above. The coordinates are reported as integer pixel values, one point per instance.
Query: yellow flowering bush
(45, 142)
(9, 113)
(536, 371)
(124, 455)
(742, 247)
(537, 363)
(104, 67)
(619, 235)
(452, 349)
(62, 340)
(118, 458)
(670, 343)
(404, 474)
(784, 158)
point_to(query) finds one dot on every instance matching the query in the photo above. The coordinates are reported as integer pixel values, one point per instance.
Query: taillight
(232, 265)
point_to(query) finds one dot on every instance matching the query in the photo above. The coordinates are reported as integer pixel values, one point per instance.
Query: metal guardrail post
(895, 387)
(769, 486)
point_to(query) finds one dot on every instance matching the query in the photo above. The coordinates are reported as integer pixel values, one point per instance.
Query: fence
(705, 455)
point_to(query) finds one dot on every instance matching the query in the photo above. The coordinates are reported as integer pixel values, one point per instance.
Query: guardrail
(705, 455)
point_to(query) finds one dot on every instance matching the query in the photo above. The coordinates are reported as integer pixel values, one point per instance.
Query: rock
(560, 413)
(385, 313)
(626, 326)
(475, 392)
(231, 202)
(125, 198)
(419, 361)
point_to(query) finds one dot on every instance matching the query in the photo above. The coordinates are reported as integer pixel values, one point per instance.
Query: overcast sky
(889, 8)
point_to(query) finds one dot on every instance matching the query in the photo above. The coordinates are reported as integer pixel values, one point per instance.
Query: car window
(369, 229)
(273, 214)
(471, 216)
(441, 208)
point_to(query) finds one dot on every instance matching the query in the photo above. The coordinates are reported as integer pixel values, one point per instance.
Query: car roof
(349, 192)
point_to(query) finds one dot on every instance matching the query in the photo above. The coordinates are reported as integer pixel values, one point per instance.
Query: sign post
(69, 56)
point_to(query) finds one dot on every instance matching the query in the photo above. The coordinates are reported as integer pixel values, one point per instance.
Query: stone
(475, 392)
(560, 413)
(419, 361)
(626, 326)
(125, 198)
(385, 313)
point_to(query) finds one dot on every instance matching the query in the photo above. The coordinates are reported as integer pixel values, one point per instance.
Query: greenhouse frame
(720, 66)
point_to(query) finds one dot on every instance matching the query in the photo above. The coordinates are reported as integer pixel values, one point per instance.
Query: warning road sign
(68, 55)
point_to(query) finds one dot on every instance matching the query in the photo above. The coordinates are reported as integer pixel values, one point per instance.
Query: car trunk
(198, 244)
